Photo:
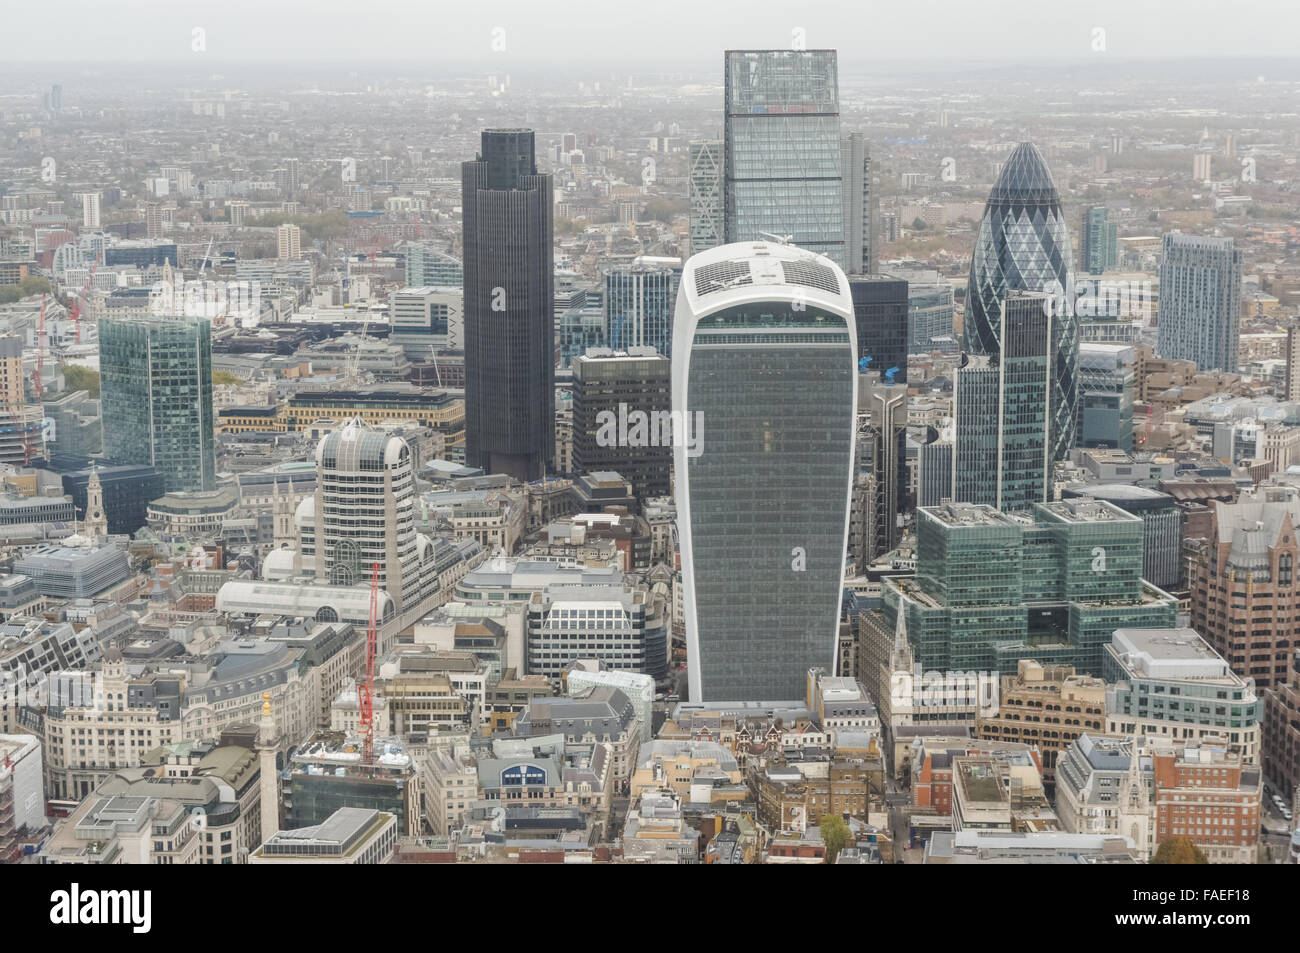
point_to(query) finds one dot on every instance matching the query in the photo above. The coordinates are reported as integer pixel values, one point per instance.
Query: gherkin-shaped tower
(1023, 245)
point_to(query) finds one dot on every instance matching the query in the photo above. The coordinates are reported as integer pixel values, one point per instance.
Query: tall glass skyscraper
(880, 305)
(1200, 301)
(1001, 406)
(859, 206)
(639, 300)
(765, 391)
(1023, 245)
(1098, 241)
(156, 390)
(507, 226)
(781, 149)
(707, 225)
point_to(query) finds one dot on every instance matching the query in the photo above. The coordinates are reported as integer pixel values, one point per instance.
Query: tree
(26, 287)
(918, 223)
(76, 377)
(1179, 850)
(835, 835)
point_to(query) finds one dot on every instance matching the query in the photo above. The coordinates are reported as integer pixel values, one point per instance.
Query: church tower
(95, 524)
(283, 508)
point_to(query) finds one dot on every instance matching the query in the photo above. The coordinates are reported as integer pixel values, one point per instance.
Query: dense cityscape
(777, 460)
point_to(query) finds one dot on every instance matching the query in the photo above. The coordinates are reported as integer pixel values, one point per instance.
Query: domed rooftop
(1025, 179)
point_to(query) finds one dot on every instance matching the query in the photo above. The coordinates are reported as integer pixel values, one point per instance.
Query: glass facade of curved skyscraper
(765, 387)
(781, 149)
(1023, 245)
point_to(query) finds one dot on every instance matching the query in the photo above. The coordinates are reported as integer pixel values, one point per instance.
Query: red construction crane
(37, 386)
(76, 308)
(366, 692)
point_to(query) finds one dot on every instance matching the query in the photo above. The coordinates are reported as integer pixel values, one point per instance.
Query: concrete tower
(268, 776)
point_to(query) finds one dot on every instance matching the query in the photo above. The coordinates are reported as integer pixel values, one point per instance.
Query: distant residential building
(288, 239)
(1200, 301)
(1098, 241)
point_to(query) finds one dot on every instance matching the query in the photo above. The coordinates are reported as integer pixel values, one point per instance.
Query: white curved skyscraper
(764, 397)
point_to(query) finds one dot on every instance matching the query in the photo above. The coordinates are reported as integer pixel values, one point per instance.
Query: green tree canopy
(31, 285)
(835, 835)
(76, 377)
(1179, 850)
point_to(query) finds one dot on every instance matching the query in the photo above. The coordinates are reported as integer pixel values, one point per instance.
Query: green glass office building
(1053, 584)
(156, 390)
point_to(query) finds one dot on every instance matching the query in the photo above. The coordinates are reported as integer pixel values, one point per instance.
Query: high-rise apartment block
(90, 202)
(289, 242)
(1200, 301)
(1098, 241)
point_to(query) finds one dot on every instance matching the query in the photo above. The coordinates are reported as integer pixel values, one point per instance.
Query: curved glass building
(764, 380)
(1023, 245)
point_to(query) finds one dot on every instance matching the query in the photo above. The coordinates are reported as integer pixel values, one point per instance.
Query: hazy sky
(641, 34)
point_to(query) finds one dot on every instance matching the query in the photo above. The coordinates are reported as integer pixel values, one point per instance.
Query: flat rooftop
(1174, 653)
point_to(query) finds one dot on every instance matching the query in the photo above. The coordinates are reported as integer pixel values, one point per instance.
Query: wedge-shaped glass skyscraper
(764, 397)
(781, 151)
(1023, 245)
